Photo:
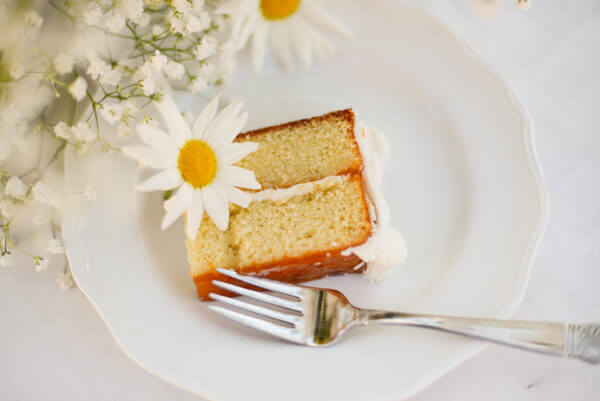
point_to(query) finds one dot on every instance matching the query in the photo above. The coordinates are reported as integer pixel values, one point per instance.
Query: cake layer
(329, 218)
(304, 150)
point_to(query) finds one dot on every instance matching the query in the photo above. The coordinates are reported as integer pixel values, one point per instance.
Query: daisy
(199, 161)
(288, 24)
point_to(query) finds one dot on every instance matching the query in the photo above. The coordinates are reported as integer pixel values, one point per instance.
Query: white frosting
(385, 248)
(283, 194)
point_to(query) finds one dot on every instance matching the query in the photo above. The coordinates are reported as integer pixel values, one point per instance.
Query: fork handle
(581, 341)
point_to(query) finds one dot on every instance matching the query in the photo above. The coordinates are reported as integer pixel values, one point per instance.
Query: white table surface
(53, 345)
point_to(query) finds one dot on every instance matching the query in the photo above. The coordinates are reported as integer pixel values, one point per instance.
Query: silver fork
(318, 317)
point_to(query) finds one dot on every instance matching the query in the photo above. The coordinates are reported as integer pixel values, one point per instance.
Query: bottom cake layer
(299, 271)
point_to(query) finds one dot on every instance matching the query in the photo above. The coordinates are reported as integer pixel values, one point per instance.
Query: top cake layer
(303, 151)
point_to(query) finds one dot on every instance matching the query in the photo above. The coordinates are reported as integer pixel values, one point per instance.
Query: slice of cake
(320, 210)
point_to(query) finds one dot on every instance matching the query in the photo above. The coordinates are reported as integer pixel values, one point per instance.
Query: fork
(319, 317)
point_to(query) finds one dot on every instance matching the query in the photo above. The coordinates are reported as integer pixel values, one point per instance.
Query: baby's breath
(138, 50)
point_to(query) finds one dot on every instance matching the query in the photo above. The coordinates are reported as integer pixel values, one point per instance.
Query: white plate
(465, 188)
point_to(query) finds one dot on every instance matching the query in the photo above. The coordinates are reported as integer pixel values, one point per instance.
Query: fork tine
(263, 283)
(270, 299)
(259, 324)
(260, 310)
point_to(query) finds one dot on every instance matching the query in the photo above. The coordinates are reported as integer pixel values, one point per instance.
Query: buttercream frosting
(385, 248)
(283, 194)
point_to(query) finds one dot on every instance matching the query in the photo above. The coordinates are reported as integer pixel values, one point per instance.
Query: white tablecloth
(53, 345)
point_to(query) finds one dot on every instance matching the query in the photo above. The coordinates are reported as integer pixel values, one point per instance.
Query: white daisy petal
(242, 29)
(205, 117)
(222, 125)
(177, 204)
(178, 128)
(301, 42)
(259, 44)
(216, 207)
(238, 125)
(281, 45)
(238, 177)
(321, 17)
(230, 131)
(236, 196)
(195, 213)
(235, 152)
(147, 156)
(154, 137)
(163, 181)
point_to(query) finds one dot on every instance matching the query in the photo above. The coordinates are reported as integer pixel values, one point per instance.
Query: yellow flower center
(197, 163)
(278, 9)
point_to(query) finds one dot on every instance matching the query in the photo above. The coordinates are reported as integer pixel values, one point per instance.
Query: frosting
(283, 194)
(385, 248)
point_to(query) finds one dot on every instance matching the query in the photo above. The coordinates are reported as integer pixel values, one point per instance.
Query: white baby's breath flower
(65, 280)
(97, 67)
(123, 131)
(6, 260)
(148, 86)
(112, 76)
(43, 194)
(198, 84)
(128, 107)
(62, 131)
(174, 70)
(208, 72)
(193, 24)
(78, 88)
(82, 132)
(92, 15)
(207, 47)
(157, 29)
(177, 24)
(182, 6)
(111, 112)
(90, 192)
(16, 70)
(63, 63)
(199, 160)
(121, 11)
(55, 246)
(15, 188)
(197, 23)
(159, 61)
(40, 264)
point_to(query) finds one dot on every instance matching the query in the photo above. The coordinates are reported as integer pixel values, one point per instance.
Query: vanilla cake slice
(319, 212)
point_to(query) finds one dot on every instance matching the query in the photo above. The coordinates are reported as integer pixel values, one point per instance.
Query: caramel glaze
(294, 271)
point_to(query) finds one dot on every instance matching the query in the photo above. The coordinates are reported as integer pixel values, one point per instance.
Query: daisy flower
(199, 161)
(288, 24)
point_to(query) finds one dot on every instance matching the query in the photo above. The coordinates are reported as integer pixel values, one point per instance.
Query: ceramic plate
(465, 189)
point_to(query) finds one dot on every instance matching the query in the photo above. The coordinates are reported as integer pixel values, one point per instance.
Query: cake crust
(345, 114)
(297, 270)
